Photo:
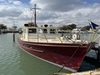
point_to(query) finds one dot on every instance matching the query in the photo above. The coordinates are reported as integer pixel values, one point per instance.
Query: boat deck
(52, 40)
(92, 72)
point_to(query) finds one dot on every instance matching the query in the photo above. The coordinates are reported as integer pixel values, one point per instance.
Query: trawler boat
(46, 44)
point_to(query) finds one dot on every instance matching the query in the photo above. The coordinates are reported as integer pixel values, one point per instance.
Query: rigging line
(68, 39)
(94, 36)
(70, 58)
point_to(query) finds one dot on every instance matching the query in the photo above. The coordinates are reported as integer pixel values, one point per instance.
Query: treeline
(63, 27)
(68, 27)
(73, 26)
(2, 26)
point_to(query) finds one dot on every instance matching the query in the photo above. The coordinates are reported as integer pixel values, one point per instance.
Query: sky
(51, 12)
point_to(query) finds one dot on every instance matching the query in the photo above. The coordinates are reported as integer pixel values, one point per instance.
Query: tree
(32, 24)
(63, 27)
(71, 26)
(2, 26)
(14, 27)
(68, 27)
(85, 28)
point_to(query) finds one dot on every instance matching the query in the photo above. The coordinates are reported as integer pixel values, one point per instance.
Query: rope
(70, 58)
(94, 37)
(69, 39)
(45, 37)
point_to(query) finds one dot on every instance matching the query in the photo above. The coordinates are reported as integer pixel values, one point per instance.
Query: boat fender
(74, 36)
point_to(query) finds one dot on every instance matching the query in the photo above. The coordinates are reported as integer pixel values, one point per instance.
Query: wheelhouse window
(52, 31)
(31, 30)
(45, 30)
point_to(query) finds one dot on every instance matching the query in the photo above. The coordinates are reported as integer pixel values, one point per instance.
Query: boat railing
(45, 37)
(46, 34)
(49, 37)
(52, 35)
(33, 36)
(59, 37)
(68, 39)
(40, 36)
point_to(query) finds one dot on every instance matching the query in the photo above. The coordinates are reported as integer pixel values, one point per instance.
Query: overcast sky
(52, 12)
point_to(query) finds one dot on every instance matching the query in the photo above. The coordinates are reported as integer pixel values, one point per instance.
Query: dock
(97, 49)
(91, 61)
(91, 72)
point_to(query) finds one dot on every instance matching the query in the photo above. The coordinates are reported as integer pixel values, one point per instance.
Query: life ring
(74, 36)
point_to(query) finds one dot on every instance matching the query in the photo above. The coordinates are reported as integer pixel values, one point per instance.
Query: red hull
(58, 53)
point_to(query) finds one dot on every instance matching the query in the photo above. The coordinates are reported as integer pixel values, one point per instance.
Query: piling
(97, 49)
(98, 54)
(13, 37)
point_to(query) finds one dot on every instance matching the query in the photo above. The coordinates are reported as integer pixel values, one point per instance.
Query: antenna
(35, 14)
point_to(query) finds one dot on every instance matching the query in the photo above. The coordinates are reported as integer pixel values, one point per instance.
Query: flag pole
(94, 36)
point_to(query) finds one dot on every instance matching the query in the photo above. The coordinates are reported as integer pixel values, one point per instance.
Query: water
(90, 62)
(14, 61)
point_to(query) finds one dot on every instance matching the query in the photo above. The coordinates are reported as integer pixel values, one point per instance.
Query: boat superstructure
(47, 44)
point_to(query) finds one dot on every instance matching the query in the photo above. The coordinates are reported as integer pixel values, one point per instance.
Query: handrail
(68, 39)
(38, 35)
(94, 36)
(45, 37)
(97, 38)
(27, 35)
(58, 37)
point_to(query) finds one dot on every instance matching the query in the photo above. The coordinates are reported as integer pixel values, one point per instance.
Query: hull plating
(70, 55)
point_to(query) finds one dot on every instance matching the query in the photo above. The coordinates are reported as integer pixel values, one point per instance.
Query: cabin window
(45, 30)
(52, 31)
(31, 30)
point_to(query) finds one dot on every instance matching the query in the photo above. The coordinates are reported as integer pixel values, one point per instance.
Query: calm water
(14, 61)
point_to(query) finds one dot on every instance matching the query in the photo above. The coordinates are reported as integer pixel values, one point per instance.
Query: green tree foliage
(14, 27)
(32, 24)
(68, 27)
(86, 28)
(63, 27)
(2, 26)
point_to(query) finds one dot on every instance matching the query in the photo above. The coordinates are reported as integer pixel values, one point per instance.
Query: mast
(35, 14)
